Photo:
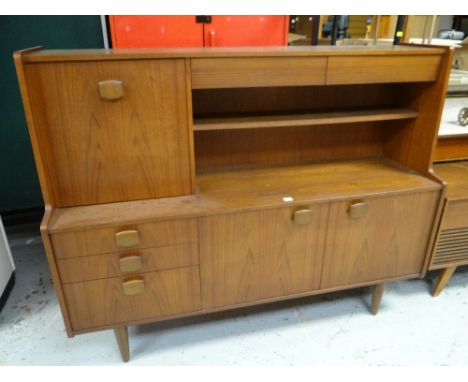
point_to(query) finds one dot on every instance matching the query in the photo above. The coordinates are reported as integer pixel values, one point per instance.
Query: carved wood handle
(127, 239)
(130, 263)
(357, 210)
(111, 90)
(133, 287)
(302, 217)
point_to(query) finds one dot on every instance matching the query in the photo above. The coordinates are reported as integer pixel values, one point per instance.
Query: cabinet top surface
(456, 176)
(244, 189)
(40, 55)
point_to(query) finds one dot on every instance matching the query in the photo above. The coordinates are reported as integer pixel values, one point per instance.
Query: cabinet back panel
(296, 98)
(287, 144)
(100, 151)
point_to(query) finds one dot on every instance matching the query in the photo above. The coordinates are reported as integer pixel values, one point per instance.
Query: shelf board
(235, 190)
(329, 118)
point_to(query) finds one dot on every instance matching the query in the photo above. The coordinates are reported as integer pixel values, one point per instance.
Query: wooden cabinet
(183, 182)
(386, 238)
(258, 255)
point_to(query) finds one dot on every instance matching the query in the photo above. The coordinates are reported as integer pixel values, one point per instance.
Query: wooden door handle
(357, 210)
(111, 90)
(302, 217)
(133, 287)
(130, 263)
(127, 239)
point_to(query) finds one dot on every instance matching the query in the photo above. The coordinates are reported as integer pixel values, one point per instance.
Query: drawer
(372, 69)
(122, 300)
(118, 264)
(252, 72)
(455, 215)
(124, 238)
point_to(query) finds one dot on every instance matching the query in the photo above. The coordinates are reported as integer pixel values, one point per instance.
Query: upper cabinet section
(111, 131)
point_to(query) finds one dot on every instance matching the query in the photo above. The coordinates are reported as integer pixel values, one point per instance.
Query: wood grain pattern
(353, 116)
(389, 241)
(102, 302)
(355, 70)
(101, 266)
(262, 254)
(234, 190)
(39, 155)
(250, 72)
(89, 241)
(449, 148)
(214, 149)
(99, 151)
(455, 214)
(280, 51)
(456, 176)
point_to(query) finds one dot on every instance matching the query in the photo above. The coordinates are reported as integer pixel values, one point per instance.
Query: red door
(184, 31)
(247, 31)
(155, 32)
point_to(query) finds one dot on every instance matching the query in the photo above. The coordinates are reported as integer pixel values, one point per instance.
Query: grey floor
(412, 327)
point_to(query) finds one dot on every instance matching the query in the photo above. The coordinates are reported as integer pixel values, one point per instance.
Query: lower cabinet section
(388, 238)
(262, 254)
(123, 299)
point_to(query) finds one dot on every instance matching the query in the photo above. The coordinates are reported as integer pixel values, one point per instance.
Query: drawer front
(363, 70)
(123, 239)
(262, 254)
(378, 238)
(122, 300)
(251, 72)
(119, 264)
(112, 130)
(455, 215)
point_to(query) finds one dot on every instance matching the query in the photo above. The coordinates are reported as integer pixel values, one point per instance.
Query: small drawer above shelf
(304, 119)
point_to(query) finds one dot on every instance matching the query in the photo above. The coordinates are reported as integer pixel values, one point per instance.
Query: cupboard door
(262, 254)
(383, 238)
(112, 130)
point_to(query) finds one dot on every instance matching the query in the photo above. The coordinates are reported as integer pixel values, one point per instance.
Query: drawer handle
(127, 239)
(111, 90)
(130, 263)
(133, 287)
(357, 210)
(302, 217)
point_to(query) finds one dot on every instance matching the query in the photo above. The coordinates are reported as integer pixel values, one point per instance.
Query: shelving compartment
(298, 124)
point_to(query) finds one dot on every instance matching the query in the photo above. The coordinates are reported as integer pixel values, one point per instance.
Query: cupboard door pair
(273, 253)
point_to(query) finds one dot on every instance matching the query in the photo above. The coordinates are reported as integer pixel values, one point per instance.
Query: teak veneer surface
(247, 188)
(456, 176)
(343, 117)
(110, 54)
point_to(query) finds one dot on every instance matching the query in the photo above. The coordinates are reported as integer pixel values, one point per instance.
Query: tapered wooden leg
(377, 293)
(121, 335)
(443, 279)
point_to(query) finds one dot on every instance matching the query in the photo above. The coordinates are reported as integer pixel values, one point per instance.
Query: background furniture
(186, 182)
(197, 31)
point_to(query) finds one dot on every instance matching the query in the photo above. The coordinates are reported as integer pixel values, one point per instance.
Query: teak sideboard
(179, 182)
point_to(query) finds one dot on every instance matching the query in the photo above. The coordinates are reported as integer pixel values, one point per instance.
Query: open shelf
(226, 190)
(328, 118)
